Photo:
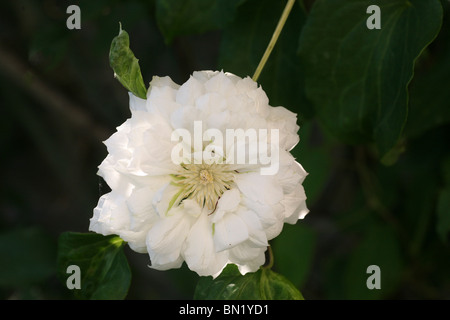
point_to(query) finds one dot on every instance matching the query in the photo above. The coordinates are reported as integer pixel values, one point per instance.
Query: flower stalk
(269, 258)
(273, 41)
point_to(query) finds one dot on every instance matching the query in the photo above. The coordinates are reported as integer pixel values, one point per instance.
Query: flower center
(206, 177)
(204, 183)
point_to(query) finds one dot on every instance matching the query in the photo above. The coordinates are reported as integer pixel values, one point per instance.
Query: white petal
(245, 85)
(222, 84)
(165, 240)
(301, 172)
(271, 217)
(264, 189)
(137, 103)
(118, 141)
(257, 236)
(191, 207)
(290, 176)
(141, 209)
(205, 75)
(117, 181)
(96, 224)
(111, 216)
(286, 121)
(254, 265)
(163, 199)
(303, 210)
(294, 205)
(210, 103)
(228, 202)
(138, 243)
(159, 82)
(189, 91)
(199, 252)
(260, 101)
(184, 118)
(229, 232)
(244, 253)
(161, 101)
(219, 120)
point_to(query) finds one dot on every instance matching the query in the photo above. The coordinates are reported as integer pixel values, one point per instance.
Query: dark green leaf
(394, 153)
(428, 106)
(419, 204)
(347, 276)
(294, 251)
(126, 66)
(429, 103)
(27, 257)
(381, 248)
(105, 273)
(183, 17)
(245, 41)
(358, 78)
(261, 285)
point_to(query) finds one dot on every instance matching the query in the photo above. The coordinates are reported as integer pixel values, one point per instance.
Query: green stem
(269, 263)
(274, 39)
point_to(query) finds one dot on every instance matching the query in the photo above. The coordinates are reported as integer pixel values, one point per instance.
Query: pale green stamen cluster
(203, 183)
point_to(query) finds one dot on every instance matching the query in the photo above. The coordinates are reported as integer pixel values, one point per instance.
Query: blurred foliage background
(59, 101)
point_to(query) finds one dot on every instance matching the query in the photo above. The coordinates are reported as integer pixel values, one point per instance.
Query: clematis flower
(205, 211)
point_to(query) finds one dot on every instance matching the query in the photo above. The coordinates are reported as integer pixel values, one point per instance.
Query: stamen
(206, 177)
(203, 183)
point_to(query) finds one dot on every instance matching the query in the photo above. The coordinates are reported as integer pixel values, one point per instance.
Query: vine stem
(269, 258)
(273, 41)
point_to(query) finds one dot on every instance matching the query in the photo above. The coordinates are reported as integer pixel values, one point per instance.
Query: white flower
(207, 214)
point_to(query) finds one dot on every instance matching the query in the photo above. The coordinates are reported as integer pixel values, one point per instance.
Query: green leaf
(105, 273)
(126, 66)
(380, 247)
(261, 285)
(27, 257)
(294, 251)
(347, 276)
(394, 153)
(429, 102)
(245, 41)
(183, 17)
(443, 213)
(357, 78)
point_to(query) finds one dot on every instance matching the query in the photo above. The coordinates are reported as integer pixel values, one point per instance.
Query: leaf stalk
(273, 41)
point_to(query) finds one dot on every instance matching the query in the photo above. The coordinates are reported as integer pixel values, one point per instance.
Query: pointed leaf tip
(125, 65)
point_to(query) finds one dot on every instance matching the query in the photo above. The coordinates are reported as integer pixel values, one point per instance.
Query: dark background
(59, 101)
